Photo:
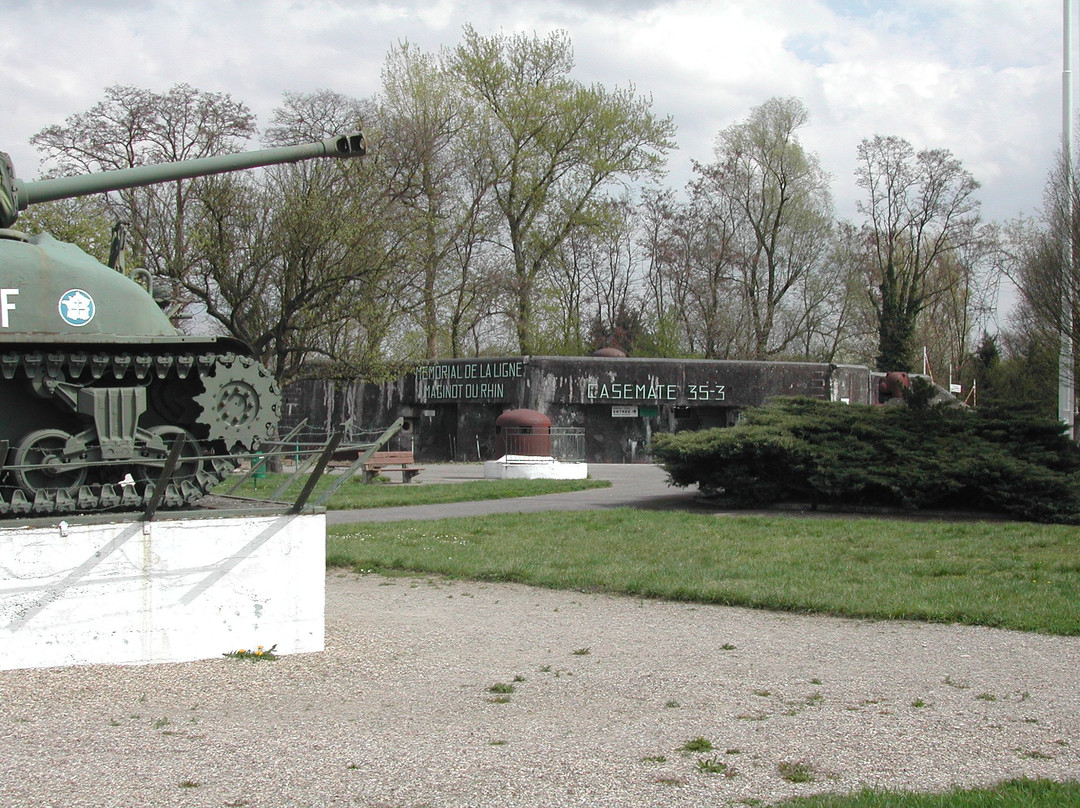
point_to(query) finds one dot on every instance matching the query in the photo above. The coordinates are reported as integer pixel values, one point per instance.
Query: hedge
(1007, 461)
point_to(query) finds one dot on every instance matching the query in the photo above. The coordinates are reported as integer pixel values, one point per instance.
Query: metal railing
(312, 458)
(563, 443)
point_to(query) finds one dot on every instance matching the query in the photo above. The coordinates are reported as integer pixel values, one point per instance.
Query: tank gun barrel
(25, 193)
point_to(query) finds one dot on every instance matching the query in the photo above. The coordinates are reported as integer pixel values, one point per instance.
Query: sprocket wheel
(241, 403)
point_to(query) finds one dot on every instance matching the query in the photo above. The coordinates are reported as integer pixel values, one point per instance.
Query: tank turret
(95, 383)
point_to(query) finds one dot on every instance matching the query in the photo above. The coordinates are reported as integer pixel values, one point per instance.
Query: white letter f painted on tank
(6, 305)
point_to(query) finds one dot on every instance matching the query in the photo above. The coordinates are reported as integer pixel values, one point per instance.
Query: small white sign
(956, 388)
(624, 412)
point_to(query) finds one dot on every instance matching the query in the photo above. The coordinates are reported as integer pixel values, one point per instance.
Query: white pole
(1066, 388)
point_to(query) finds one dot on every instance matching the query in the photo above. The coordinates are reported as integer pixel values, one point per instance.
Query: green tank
(96, 385)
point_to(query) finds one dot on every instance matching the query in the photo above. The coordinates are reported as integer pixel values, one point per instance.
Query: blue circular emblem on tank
(76, 307)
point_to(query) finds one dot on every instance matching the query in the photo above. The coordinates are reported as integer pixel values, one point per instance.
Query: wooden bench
(384, 462)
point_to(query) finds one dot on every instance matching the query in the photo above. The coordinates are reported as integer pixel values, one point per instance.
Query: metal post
(263, 460)
(324, 459)
(165, 479)
(1066, 381)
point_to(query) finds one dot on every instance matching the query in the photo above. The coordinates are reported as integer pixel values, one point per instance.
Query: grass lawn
(1013, 575)
(355, 495)
(1014, 794)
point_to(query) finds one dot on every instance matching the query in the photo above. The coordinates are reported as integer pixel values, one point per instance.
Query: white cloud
(980, 77)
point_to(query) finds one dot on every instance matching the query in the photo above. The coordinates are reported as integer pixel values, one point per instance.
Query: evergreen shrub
(916, 455)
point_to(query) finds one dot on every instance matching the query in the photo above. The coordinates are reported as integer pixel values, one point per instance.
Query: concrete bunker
(618, 403)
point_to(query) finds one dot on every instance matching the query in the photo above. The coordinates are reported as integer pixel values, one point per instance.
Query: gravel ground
(398, 710)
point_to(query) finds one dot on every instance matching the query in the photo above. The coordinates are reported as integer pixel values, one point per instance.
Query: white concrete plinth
(172, 590)
(527, 467)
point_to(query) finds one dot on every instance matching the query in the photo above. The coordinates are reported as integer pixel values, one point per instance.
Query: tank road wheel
(187, 467)
(39, 464)
(240, 403)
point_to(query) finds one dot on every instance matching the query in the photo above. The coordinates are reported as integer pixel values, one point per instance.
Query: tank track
(238, 406)
(106, 497)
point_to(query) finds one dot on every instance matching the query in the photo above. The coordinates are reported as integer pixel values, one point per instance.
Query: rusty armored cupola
(523, 432)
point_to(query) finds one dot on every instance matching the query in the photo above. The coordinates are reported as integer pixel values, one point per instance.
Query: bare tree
(831, 312)
(1035, 257)
(955, 321)
(706, 230)
(133, 127)
(653, 214)
(594, 277)
(920, 210)
(690, 280)
(325, 241)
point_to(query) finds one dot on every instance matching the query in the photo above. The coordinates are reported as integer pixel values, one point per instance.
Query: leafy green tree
(1019, 367)
(82, 221)
(747, 267)
(774, 199)
(920, 210)
(549, 146)
(422, 117)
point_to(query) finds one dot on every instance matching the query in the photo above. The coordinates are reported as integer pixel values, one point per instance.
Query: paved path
(638, 485)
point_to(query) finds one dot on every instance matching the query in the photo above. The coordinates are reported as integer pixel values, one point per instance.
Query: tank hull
(98, 391)
(96, 386)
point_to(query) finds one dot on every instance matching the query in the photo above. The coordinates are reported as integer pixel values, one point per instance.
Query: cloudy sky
(979, 77)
